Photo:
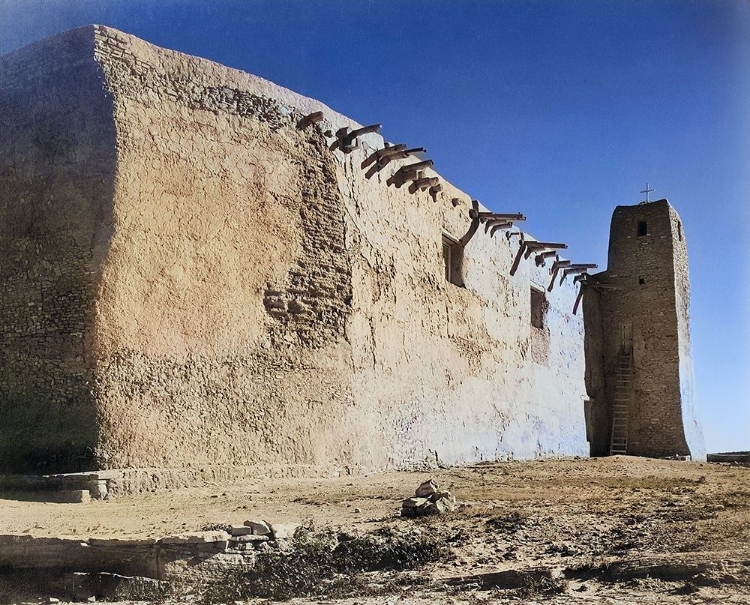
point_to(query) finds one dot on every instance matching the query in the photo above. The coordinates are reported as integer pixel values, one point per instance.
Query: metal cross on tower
(647, 191)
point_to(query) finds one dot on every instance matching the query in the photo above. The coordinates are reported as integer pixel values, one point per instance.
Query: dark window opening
(538, 308)
(453, 256)
(642, 228)
(679, 230)
(641, 280)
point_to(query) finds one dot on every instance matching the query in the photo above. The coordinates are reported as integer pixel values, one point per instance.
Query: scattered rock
(282, 531)
(442, 502)
(414, 502)
(426, 490)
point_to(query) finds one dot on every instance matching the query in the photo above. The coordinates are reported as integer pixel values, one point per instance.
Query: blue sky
(557, 109)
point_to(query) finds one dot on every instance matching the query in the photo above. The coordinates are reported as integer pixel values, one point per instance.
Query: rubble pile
(428, 500)
(257, 535)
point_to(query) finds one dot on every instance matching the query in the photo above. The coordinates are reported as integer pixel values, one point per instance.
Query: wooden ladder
(621, 407)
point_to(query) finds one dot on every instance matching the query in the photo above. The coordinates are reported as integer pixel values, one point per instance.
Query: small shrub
(508, 522)
(323, 564)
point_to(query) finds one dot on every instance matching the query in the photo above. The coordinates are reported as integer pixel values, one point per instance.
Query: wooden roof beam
(347, 139)
(516, 217)
(386, 151)
(540, 259)
(578, 300)
(547, 245)
(556, 266)
(381, 161)
(571, 270)
(535, 246)
(474, 216)
(423, 183)
(517, 259)
(310, 119)
(497, 226)
(351, 136)
(434, 190)
(409, 172)
(401, 155)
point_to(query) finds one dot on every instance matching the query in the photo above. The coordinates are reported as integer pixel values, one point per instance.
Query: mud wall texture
(261, 301)
(647, 297)
(57, 165)
(599, 421)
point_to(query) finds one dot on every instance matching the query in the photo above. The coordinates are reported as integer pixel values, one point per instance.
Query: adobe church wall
(57, 163)
(257, 300)
(458, 373)
(225, 292)
(215, 327)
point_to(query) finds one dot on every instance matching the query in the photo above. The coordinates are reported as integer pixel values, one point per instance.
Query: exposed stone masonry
(56, 165)
(318, 295)
(113, 48)
(638, 309)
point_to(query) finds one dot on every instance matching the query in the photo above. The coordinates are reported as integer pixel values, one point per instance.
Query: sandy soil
(621, 529)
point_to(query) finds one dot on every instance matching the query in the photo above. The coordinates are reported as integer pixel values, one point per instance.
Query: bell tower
(641, 370)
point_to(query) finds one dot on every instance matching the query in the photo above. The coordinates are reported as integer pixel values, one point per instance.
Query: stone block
(218, 538)
(73, 496)
(114, 541)
(259, 528)
(249, 538)
(98, 489)
(283, 531)
(240, 530)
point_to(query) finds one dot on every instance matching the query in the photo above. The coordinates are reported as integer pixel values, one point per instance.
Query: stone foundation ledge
(176, 558)
(82, 487)
(738, 457)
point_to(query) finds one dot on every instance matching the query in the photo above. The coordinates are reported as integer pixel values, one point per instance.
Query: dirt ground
(610, 530)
